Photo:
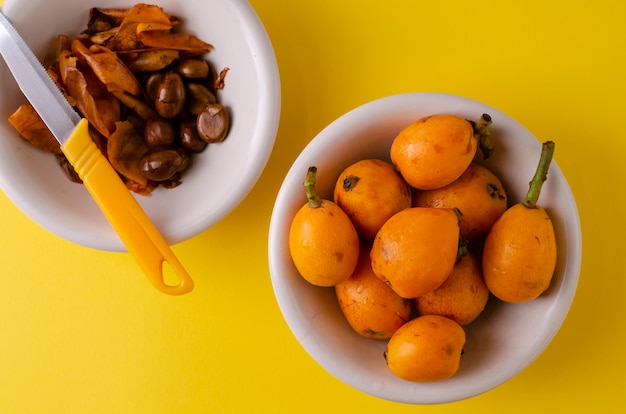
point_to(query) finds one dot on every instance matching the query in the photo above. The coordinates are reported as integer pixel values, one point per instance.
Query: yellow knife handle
(140, 236)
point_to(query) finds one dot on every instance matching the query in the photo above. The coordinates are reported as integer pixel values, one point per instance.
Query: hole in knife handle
(174, 279)
(170, 278)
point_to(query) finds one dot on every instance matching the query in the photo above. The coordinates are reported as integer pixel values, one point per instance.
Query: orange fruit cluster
(420, 222)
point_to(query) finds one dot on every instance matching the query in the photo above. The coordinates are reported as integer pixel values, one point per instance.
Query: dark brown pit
(188, 136)
(197, 97)
(193, 68)
(160, 164)
(185, 159)
(213, 123)
(159, 132)
(171, 96)
(151, 85)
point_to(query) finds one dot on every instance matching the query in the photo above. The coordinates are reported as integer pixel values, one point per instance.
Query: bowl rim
(303, 328)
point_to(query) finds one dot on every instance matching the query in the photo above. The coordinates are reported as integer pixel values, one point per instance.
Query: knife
(137, 232)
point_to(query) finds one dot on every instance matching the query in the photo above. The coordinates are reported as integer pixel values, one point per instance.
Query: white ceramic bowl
(219, 179)
(506, 338)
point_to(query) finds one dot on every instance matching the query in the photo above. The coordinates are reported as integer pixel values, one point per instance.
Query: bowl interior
(220, 177)
(505, 338)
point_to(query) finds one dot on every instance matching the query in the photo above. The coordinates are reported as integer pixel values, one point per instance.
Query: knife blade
(137, 232)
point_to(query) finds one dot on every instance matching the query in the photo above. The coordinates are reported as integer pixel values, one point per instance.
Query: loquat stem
(463, 242)
(541, 174)
(309, 186)
(481, 129)
(462, 250)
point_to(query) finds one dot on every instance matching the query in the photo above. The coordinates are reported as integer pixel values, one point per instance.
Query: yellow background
(82, 331)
